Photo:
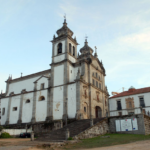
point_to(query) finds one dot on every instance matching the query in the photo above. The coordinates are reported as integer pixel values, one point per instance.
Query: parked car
(25, 135)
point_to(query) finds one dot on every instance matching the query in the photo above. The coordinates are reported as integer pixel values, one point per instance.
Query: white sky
(120, 29)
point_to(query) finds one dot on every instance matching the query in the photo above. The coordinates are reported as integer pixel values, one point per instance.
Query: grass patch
(115, 139)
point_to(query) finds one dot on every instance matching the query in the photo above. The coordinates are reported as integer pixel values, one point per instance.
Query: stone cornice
(98, 70)
(72, 56)
(63, 37)
(57, 63)
(29, 76)
(83, 57)
(89, 84)
(24, 93)
(96, 79)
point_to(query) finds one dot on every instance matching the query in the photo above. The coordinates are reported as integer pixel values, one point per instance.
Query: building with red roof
(133, 101)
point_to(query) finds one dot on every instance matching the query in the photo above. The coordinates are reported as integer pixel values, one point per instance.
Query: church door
(98, 112)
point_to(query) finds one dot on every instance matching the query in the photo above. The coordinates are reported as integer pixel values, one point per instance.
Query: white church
(74, 87)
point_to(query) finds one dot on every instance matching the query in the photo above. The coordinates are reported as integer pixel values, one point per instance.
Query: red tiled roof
(132, 92)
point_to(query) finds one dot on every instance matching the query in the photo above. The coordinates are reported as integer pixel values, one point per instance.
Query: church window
(42, 86)
(96, 84)
(71, 71)
(85, 93)
(59, 48)
(96, 74)
(99, 85)
(93, 82)
(99, 78)
(14, 108)
(41, 98)
(73, 51)
(93, 74)
(69, 48)
(27, 101)
(97, 97)
(3, 111)
(84, 109)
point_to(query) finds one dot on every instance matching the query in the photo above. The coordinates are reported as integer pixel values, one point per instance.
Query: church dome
(132, 87)
(64, 30)
(86, 48)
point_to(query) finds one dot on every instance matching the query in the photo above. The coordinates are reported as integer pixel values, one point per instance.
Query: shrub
(70, 138)
(5, 135)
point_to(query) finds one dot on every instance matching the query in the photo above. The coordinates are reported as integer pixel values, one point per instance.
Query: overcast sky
(119, 28)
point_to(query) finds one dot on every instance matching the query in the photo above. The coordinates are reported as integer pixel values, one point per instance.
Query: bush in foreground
(5, 135)
(70, 138)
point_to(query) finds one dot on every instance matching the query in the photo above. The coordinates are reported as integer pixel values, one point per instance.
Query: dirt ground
(140, 145)
(26, 144)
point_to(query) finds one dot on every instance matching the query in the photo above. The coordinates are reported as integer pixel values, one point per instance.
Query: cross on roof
(86, 36)
(65, 16)
(95, 49)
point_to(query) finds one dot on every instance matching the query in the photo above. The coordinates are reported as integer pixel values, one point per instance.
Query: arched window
(27, 101)
(96, 74)
(69, 48)
(99, 85)
(97, 97)
(130, 104)
(93, 82)
(93, 74)
(41, 98)
(73, 51)
(96, 84)
(84, 109)
(99, 78)
(85, 93)
(59, 48)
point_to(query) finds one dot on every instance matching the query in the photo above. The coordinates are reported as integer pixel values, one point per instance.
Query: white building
(133, 101)
(74, 87)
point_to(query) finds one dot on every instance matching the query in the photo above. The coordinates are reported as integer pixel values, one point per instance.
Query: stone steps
(75, 128)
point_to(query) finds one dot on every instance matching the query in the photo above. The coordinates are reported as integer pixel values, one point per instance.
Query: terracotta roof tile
(132, 92)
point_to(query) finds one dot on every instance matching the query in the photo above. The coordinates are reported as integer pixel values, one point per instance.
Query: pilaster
(49, 117)
(79, 113)
(65, 94)
(33, 120)
(21, 107)
(90, 100)
(8, 111)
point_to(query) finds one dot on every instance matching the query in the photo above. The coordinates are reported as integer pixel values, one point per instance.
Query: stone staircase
(75, 128)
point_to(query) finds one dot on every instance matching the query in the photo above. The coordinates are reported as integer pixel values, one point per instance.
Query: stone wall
(15, 132)
(140, 122)
(98, 129)
(147, 124)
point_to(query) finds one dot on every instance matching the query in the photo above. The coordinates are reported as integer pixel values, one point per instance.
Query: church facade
(74, 87)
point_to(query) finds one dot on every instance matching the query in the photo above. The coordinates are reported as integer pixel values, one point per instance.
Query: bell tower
(64, 53)
(64, 46)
